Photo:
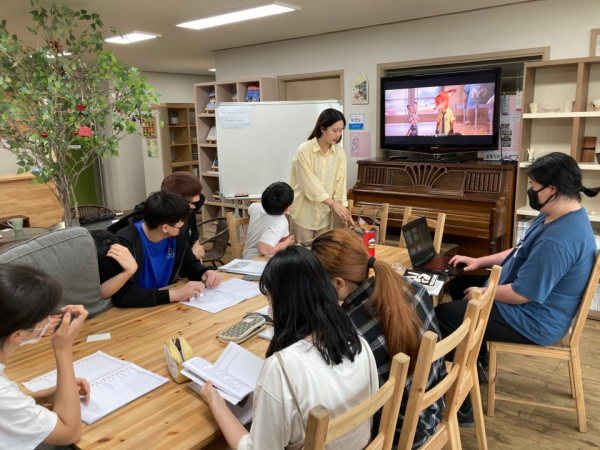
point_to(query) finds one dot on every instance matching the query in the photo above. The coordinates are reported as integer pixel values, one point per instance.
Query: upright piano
(477, 197)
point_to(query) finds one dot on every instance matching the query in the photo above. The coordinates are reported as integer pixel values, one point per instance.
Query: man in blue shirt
(544, 276)
(156, 237)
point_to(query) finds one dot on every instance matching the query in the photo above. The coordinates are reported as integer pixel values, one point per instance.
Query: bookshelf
(178, 138)
(551, 83)
(224, 92)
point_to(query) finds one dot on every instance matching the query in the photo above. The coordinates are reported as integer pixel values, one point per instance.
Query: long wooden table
(171, 416)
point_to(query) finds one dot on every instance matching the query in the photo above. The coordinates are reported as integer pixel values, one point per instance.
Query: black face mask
(534, 200)
(199, 203)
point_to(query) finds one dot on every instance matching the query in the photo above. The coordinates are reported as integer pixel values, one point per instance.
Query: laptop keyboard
(437, 264)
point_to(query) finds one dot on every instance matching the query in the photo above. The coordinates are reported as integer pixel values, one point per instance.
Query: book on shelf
(253, 94)
(234, 374)
(215, 164)
(211, 103)
(522, 226)
(114, 383)
(234, 96)
(212, 134)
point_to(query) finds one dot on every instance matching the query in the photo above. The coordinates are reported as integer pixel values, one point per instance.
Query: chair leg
(492, 380)
(478, 415)
(571, 379)
(578, 390)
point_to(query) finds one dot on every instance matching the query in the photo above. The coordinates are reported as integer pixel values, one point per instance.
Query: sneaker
(466, 420)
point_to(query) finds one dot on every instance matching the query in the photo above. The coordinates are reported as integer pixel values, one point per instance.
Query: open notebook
(113, 382)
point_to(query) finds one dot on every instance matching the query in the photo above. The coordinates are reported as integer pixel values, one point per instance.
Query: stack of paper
(225, 295)
(113, 382)
(245, 267)
(234, 375)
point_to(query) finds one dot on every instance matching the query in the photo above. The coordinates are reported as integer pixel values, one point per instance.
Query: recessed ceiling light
(130, 38)
(238, 16)
(212, 70)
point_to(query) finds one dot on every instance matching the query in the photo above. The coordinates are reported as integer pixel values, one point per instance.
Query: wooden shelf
(525, 211)
(582, 166)
(184, 163)
(561, 115)
(178, 126)
(212, 203)
(207, 145)
(178, 145)
(206, 115)
(210, 174)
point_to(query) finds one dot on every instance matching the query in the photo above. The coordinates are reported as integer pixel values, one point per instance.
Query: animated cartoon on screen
(445, 118)
(413, 118)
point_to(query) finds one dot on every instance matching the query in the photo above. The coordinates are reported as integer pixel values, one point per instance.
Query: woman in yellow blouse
(319, 179)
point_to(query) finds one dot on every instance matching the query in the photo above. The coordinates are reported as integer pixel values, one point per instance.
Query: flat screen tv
(440, 113)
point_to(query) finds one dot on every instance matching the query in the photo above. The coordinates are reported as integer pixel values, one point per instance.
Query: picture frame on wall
(360, 90)
(595, 42)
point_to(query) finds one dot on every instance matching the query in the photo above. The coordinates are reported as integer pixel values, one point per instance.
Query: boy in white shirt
(268, 231)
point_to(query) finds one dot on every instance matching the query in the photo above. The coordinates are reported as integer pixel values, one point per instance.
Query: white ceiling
(186, 51)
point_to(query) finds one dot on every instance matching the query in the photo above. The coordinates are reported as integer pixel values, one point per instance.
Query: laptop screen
(418, 241)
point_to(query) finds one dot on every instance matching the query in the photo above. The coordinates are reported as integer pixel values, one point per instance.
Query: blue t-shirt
(550, 266)
(159, 258)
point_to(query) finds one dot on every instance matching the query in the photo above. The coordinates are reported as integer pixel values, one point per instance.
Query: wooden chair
(236, 248)
(436, 224)
(320, 431)
(421, 398)
(380, 215)
(469, 382)
(218, 247)
(567, 349)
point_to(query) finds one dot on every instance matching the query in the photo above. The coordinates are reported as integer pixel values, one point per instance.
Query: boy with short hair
(156, 237)
(268, 231)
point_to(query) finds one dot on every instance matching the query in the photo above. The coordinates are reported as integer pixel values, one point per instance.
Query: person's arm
(47, 396)
(504, 294)
(66, 400)
(310, 185)
(198, 251)
(266, 249)
(126, 260)
(482, 262)
(230, 426)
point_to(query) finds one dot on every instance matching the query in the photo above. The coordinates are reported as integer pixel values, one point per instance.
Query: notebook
(420, 249)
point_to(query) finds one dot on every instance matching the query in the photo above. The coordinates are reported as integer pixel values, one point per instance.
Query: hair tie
(371, 262)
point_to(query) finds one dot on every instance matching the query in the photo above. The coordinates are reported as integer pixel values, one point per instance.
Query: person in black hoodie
(156, 237)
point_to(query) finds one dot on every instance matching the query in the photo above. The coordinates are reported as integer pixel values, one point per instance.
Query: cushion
(68, 255)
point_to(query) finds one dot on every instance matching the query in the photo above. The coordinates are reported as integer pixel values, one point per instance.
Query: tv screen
(442, 112)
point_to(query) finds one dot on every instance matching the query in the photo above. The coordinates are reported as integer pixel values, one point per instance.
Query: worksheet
(225, 295)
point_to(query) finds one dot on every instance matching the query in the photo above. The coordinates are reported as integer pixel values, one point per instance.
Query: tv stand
(476, 196)
(457, 156)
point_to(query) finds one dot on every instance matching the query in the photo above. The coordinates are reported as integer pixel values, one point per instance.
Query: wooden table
(171, 416)
(12, 237)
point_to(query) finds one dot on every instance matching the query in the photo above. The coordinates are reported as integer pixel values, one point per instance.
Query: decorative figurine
(531, 153)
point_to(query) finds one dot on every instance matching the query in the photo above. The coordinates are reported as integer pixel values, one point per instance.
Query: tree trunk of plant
(64, 193)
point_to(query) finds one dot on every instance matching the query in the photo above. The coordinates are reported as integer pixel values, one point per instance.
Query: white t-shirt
(276, 422)
(23, 423)
(263, 228)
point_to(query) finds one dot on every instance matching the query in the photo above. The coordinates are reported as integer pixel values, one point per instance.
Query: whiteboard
(258, 141)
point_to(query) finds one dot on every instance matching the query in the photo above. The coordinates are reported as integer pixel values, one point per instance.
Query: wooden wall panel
(19, 197)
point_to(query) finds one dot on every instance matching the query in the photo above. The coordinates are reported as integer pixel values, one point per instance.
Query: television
(440, 113)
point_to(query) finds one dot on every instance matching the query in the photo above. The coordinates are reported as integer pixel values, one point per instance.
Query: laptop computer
(420, 249)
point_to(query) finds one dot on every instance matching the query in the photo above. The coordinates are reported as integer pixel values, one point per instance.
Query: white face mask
(37, 339)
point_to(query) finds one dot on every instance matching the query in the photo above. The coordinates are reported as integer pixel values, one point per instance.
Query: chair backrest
(421, 398)
(436, 224)
(586, 302)
(320, 431)
(487, 301)
(236, 248)
(219, 240)
(381, 214)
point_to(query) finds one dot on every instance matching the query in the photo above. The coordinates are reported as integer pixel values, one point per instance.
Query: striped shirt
(361, 311)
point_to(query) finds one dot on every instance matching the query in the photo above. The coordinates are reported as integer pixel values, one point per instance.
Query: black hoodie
(186, 264)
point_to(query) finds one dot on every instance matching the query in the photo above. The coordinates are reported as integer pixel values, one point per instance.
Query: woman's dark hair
(182, 183)
(325, 120)
(107, 266)
(277, 198)
(165, 207)
(27, 296)
(305, 304)
(561, 171)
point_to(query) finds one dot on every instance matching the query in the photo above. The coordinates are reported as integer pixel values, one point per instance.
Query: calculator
(243, 330)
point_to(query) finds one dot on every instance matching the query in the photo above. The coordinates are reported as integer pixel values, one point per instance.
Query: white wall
(125, 177)
(8, 162)
(563, 26)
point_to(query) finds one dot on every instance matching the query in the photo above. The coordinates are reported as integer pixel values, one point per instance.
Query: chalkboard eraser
(242, 194)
